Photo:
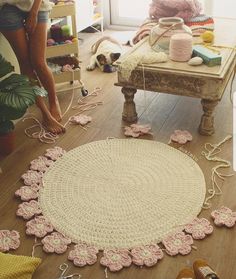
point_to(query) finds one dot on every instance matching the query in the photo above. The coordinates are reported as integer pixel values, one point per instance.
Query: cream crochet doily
(122, 193)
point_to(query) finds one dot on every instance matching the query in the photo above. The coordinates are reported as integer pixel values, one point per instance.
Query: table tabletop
(225, 35)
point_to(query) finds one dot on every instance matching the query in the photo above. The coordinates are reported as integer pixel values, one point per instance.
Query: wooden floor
(165, 113)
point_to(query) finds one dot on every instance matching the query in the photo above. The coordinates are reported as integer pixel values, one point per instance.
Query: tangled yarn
(186, 9)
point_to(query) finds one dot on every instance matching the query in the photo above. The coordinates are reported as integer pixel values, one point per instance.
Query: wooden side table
(206, 83)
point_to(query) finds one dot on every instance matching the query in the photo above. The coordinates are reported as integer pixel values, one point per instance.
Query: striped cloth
(200, 24)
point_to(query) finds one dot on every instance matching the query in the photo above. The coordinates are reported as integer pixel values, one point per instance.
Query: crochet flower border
(83, 254)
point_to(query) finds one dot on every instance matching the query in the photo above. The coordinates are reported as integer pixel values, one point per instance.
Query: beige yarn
(122, 192)
(133, 60)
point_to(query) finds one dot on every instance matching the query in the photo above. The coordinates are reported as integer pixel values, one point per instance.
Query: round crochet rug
(121, 193)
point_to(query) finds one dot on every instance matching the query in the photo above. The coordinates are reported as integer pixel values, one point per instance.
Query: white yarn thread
(210, 154)
(181, 47)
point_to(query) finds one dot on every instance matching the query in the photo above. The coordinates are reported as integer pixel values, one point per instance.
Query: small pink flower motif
(27, 193)
(81, 119)
(83, 254)
(136, 130)
(55, 153)
(146, 255)
(178, 243)
(224, 217)
(38, 226)
(28, 209)
(32, 177)
(116, 259)
(181, 137)
(199, 228)
(9, 240)
(40, 164)
(55, 243)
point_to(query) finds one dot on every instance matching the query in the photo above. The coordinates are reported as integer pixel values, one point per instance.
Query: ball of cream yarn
(181, 47)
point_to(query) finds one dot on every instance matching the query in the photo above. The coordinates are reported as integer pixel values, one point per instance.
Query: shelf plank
(60, 50)
(67, 76)
(63, 10)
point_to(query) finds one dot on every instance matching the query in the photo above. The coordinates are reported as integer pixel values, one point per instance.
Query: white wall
(7, 53)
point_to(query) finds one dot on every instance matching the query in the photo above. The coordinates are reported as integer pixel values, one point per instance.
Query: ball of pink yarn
(50, 42)
(181, 47)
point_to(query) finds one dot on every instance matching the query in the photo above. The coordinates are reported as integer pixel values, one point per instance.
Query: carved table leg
(206, 127)
(129, 111)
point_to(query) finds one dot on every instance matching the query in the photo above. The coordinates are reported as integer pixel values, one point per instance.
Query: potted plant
(17, 93)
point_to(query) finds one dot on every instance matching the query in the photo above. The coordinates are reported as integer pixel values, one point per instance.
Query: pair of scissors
(64, 268)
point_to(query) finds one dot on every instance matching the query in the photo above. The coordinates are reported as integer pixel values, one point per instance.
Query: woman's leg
(37, 45)
(19, 44)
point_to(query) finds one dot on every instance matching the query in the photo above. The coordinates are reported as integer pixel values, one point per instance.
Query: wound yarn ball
(208, 37)
(181, 47)
(50, 42)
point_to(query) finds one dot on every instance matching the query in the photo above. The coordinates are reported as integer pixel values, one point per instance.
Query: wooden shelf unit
(63, 11)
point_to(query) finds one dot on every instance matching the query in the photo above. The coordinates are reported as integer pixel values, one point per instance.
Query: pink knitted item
(28, 209)
(116, 259)
(55, 243)
(181, 137)
(39, 227)
(178, 243)
(55, 153)
(41, 164)
(146, 255)
(136, 130)
(83, 254)
(185, 9)
(27, 193)
(199, 228)
(224, 217)
(9, 240)
(32, 177)
(81, 119)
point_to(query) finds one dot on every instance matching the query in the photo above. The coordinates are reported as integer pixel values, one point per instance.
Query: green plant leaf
(5, 67)
(6, 127)
(8, 113)
(14, 81)
(19, 98)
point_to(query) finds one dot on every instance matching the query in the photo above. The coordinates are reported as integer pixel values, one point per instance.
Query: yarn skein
(181, 47)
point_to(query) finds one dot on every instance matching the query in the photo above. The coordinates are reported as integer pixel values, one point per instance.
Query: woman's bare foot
(52, 125)
(55, 111)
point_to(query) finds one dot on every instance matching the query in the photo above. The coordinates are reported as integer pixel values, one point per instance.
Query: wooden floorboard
(165, 113)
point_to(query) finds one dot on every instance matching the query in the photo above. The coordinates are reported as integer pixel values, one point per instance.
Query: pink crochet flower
(41, 164)
(224, 216)
(39, 227)
(83, 254)
(116, 259)
(81, 119)
(181, 136)
(32, 177)
(55, 153)
(28, 209)
(27, 193)
(136, 130)
(178, 243)
(9, 240)
(146, 255)
(199, 228)
(55, 243)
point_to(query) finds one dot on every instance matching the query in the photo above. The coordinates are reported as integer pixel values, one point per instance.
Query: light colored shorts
(12, 18)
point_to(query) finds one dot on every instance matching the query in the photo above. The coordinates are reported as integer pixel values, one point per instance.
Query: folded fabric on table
(144, 30)
(200, 24)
